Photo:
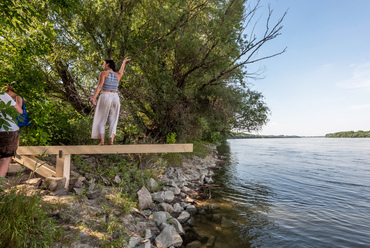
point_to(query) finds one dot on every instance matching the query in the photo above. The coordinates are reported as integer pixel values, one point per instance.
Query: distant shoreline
(257, 136)
(349, 134)
(344, 134)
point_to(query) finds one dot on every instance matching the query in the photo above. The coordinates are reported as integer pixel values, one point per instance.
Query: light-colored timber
(106, 149)
(63, 164)
(36, 165)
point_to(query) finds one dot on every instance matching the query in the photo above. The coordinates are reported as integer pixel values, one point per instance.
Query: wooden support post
(63, 166)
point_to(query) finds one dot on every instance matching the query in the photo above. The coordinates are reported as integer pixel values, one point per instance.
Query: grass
(24, 222)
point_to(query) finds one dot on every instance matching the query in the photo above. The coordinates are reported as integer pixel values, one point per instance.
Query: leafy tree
(187, 75)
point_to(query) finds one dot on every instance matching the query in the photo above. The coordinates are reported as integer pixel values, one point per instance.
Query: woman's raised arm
(121, 70)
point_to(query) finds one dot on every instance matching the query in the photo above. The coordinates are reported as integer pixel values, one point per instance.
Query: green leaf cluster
(8, 114)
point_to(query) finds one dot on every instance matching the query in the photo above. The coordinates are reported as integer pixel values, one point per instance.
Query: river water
(299, 192)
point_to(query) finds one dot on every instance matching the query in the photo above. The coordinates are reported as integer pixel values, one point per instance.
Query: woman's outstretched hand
(126, 60)
(93, 101)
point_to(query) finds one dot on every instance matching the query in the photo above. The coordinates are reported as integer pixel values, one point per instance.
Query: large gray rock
(185, 205)
(92, 187)
(177, 225)
(158, 196)
(78, 191)
(191, 209)
(164, 196)
(145, 245)
(167, 207)
(60, 192)
(184, 216)
(168, 237)
(54, 183)
(160, 217)
(204, 172)
(169, 196)
(171, 183)
(93, 194)
(34, 181)
(208, 180)
(148, 234)
(134, 241)
(177, 208)
(80, 182)
(145, 199)
(152, 184)
(117, 179)
(176, 190)
(78, 244)
(186, 189)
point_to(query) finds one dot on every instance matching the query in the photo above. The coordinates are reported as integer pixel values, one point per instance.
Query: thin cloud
(360, 107)
(360, 78)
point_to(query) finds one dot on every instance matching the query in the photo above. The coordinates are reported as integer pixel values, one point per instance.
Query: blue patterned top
(111, 82)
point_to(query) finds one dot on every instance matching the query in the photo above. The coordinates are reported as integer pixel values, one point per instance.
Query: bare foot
(111, 140)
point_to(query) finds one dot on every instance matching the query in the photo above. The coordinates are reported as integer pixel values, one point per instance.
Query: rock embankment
(172, 208)
(165, 210)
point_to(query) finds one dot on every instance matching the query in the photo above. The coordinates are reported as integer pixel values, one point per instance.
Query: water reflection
(236, 215)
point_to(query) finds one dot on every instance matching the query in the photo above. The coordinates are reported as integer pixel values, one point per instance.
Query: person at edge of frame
(8, 139)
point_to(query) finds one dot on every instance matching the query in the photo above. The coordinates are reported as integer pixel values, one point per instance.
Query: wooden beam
(64, 167)
(106, 149)
(31, 162)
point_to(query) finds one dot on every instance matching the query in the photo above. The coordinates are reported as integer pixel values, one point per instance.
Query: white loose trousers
(107, 109)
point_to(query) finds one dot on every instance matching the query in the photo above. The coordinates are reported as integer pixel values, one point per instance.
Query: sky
(321, 84)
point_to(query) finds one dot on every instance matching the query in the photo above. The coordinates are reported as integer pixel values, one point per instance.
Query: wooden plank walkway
(63, 164)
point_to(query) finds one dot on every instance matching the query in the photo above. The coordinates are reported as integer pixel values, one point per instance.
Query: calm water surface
(308, 192)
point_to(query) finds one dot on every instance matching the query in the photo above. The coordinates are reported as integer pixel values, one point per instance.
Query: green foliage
(54, 123)
(200, 149)
(349, 134)
(23, 221)
(8, 114)
(171, 138)
(188, 73)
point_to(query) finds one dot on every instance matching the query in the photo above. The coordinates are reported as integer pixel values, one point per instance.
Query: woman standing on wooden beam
(108, 105)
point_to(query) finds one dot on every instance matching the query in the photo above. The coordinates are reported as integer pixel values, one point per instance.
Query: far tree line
(349, 134)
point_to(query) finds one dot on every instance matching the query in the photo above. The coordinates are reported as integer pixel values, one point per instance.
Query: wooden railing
(25, 155)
